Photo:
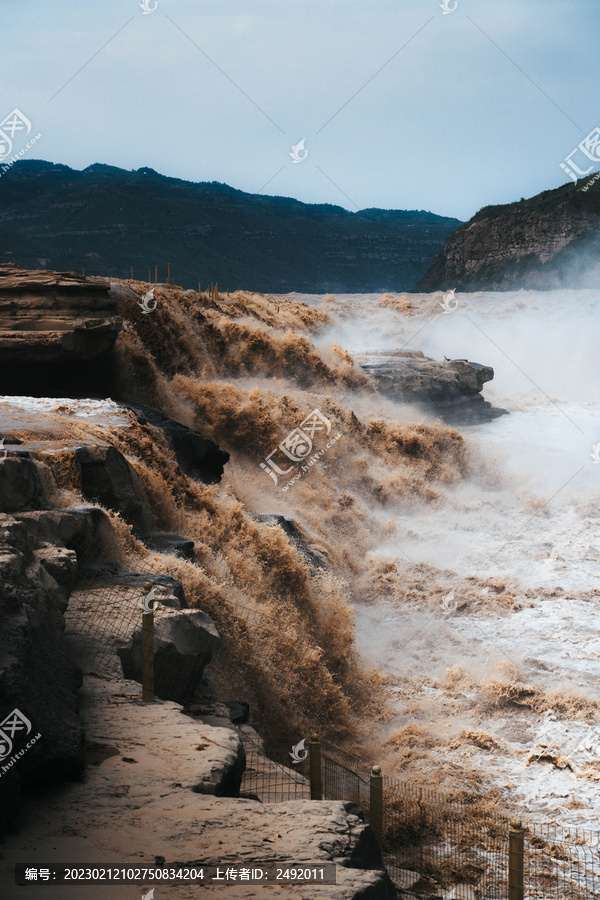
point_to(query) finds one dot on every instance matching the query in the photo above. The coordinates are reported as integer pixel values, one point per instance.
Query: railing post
(516, 846)
(316, 785)
(376, 803)
(147, 648)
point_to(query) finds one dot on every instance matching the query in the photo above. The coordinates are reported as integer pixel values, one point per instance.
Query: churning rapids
(506, 691)
(472, 566)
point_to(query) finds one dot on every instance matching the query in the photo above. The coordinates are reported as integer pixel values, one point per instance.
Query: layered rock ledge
(56, 316)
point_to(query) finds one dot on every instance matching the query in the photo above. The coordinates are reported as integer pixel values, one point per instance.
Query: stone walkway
(148, 798)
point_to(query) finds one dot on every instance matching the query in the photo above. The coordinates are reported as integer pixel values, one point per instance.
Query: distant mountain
(106, 219)
(548, 242)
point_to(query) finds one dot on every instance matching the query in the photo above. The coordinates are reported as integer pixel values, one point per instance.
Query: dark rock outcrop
(184, 643)
(107, 478)
(450, 388)
(163, 542)
(197, 455)
(20, 487)
(239, 711)
(296, 538)
(547, 242)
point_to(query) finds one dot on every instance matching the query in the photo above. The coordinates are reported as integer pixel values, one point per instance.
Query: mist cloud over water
(537, 476)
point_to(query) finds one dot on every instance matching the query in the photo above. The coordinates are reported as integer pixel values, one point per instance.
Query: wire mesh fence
(444, 842)
(345, 777)
(559, 862)
(131, 625)
(434, 847)
(270, 775)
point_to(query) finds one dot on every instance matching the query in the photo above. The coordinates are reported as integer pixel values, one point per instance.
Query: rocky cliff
(68, 611)
(547, 242)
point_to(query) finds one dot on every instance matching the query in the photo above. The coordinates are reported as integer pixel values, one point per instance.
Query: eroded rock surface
(547, 242)
(48, 315)
(36, 675)
(197, 455)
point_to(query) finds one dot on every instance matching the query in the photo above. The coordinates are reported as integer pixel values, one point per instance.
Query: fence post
(316, 786)
(376, 803)
(155, 274)
(516, 845)
(169, 273)
(148, 650)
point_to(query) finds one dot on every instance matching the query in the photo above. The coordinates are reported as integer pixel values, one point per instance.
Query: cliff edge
(547, 242)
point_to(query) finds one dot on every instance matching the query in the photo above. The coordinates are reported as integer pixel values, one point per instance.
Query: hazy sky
(400, 105)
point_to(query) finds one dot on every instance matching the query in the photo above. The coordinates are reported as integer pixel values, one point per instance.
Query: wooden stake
(316, 786)
(376, 802)
(516, 853)
(132, 273)
(169, 273)
(148, 653)
(155, 274)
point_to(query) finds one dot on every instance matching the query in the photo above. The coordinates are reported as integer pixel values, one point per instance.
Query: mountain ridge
(106, 219)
